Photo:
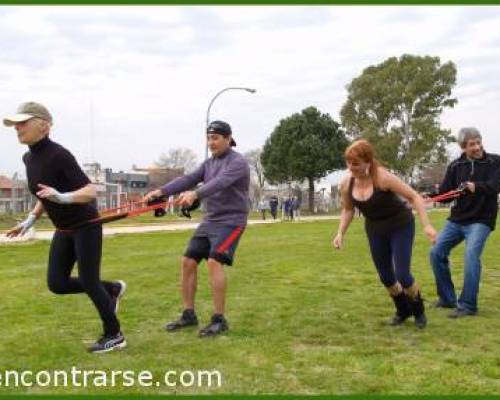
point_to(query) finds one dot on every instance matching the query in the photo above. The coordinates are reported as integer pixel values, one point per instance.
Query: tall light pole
(212, 102)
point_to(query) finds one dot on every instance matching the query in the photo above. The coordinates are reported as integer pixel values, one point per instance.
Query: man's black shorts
(214, 241)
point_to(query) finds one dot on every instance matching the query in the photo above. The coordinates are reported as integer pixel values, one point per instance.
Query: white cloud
(125, 83)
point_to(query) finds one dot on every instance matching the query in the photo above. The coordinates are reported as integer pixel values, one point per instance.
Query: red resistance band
(129, 210)
(452, 194)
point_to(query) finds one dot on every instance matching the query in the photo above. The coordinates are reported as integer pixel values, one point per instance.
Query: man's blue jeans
(475, 236)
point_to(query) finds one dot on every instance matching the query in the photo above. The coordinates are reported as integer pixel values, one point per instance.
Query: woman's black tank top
(384, 211)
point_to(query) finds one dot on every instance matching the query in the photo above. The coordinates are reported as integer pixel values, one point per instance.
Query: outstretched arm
(178, 185)
(22, 227)
(346, 214)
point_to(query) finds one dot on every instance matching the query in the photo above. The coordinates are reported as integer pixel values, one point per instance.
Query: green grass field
(304, 319)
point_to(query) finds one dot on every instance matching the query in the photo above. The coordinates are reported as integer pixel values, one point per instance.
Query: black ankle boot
(403, 310)
(418, 311)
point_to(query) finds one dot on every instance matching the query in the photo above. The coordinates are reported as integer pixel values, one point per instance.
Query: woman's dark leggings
(391, 253)
(83, 246)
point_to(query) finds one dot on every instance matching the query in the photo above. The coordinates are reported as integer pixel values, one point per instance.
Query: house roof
(5, 183)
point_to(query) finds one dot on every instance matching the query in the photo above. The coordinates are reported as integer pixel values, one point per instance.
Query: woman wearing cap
(389, 225)
(68, 197)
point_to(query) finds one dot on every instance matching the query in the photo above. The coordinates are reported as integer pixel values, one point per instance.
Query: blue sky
(127, 83)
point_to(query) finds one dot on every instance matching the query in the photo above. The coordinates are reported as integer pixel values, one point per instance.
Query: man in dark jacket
(287, 207)
(273, 204)
(472, 219)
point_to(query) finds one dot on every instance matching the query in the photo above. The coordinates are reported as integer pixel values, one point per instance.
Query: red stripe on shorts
(226, 243)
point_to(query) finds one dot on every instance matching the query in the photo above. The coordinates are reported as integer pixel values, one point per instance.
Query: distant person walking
(296, 208)
(262, 206)
(287, 206)
(273, 205)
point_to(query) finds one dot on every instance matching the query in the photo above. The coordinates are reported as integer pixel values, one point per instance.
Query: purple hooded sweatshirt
(226, 179)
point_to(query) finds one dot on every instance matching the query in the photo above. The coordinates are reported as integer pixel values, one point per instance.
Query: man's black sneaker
(117, 292)
(218, 324)
(108, 343)
(441, 304)
(188, 318)
(461, 312)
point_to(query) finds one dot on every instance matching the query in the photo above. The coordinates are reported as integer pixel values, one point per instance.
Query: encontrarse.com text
(75, 377)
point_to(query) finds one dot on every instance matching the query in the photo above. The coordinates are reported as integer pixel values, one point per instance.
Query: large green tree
(396, 105)
(304, 146)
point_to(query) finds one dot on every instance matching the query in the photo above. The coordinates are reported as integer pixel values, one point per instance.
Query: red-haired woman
(389, 225)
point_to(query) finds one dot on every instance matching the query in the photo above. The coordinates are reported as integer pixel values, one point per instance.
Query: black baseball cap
(222, 128)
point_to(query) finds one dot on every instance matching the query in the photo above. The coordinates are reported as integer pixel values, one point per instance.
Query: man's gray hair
(466, 134)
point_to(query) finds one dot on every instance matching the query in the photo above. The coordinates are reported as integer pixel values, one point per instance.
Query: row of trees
(396, 105)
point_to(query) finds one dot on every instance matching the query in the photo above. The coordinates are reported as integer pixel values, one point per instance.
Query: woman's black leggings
(391, 254)
(83, 246)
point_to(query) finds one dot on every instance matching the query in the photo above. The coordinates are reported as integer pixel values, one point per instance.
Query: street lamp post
(212, 102)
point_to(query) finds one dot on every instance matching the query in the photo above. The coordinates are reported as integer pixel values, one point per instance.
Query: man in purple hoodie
(225, 179)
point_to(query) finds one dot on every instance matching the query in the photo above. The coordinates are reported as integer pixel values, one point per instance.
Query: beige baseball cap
(27, 111)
